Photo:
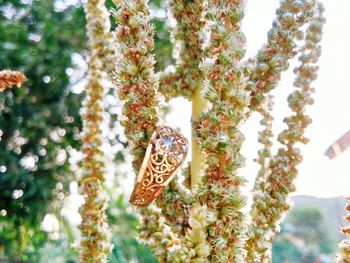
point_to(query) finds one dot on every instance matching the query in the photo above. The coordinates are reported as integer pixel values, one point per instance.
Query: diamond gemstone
(166, 143)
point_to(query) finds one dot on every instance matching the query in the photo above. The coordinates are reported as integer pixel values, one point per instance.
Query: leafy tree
(125, 226)
(38, 122)
(303, 237)
(310, 226)
(283, 250)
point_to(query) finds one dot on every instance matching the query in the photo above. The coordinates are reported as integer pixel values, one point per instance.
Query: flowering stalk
(344, 254)
(193, 246)
(188, 36)
(265, 138)
(137, 87)
(270, 204)
(264, 158)
(207, 223)
(10, 78)
(134, 77)
(273, 58)
(197, 162)
(218, 133)
(99, 25)
(175, 202)
(186, 173)
(95, 243)
(156, 234)
(187, 79)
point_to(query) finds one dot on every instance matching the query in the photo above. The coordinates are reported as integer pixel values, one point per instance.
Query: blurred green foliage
(38, 120)
(124, 225)
(304, 237)
(284, 249)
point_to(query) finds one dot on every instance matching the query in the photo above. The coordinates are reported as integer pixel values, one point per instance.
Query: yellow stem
(198, 105)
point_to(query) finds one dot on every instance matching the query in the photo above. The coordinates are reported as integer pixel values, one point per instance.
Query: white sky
(318, 176)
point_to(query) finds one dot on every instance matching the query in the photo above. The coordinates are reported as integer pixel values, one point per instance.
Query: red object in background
(338, 146)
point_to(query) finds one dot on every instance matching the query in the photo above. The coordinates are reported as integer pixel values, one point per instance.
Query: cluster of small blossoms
(134, 77)
(137, 87)
(219, 135)
(212, 229)
(344, 254)
(99, 27)
(271, 203)
(188, 36)
(193, 246)
(273, 58)
(156, 234)
(265, 138)
(95, 243)
(175, 202)
(186, 172)
(9, 78)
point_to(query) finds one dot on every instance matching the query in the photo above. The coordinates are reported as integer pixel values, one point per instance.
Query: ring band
(165, 154)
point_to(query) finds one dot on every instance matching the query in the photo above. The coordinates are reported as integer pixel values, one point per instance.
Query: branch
(265, 138)
(193, 246)
(218, 133)
(264, 159)
(272, 59)
(103, 45)
(188, 34)
(175, 202)
(155, 233)
(134, 75)
(10, 78)
(95, 243)
(271, 203)
(137, 87)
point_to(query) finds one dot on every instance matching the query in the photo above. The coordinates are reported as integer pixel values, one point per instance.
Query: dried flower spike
(137, 88)
(271, 202)
(188, 36)
(207, 223)
(274, 56)
(265, 138)
(95, 243)
(219, 135)
(134, 75)
(9, 78)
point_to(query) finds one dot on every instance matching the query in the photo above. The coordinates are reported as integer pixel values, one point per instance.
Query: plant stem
(198, 105)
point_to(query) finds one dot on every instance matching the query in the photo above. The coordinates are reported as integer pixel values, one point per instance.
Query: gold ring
(165, 154)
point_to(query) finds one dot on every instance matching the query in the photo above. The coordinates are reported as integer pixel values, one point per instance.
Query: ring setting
(165, 154)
